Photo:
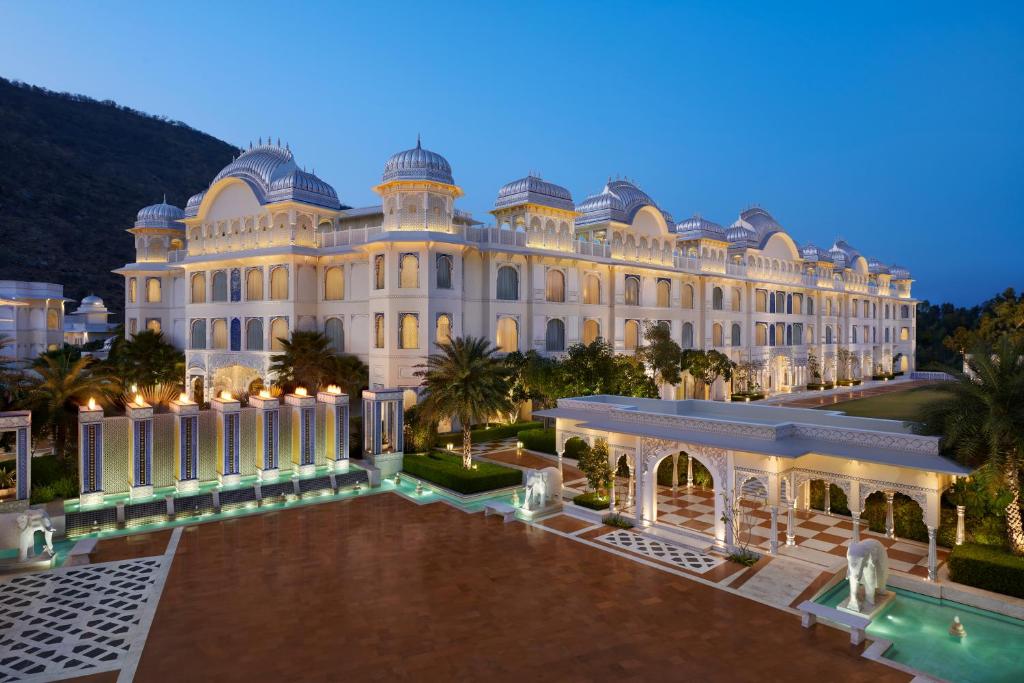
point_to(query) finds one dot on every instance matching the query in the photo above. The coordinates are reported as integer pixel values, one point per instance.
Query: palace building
(269, 248)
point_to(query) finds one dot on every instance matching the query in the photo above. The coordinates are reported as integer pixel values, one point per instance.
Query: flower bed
(592, 500)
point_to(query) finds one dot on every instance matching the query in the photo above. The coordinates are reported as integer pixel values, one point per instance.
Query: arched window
(887, 335)
(771, 303)
(378, 271)
(443, 331)
(507, 335)
(798, 303)
(278, 332)
(771, 335)
(378, 330)
(687, 335)
(554, 286)
(592, 289)
(508, 283)
(828, 334)
(904, 311)
(591, 331)
(554, 337)
(153, 290)
(219, 288)
(761, 301)
(664, 292)
(632, 335)
(904, 334)
(810, 334)
(132, 290)
(789, 303)
(780, 302)
(408, 331)
(334, 330)
(279, 283)
(736, 336)
(444, 271)
(632, 291)
(52, 319)
(198, 340)
(853, 332)
(828, 306)
(887, 311)
(854, 308)
(220, 334)
(789, 335)
(153, 324)
(737, 299)
(716, 334)
(334, 284)
(810, 306)
(762, 334)
(687, 296)
(254, 285)
(198, 288)
(409, 271)
(717, 299)
(254, 334)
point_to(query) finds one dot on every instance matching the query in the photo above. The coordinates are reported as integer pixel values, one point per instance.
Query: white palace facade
(268, 248)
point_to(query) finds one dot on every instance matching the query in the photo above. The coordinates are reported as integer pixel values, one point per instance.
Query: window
(632, 291)
(887, 311)
(132, 290)
(632, 334)
(507, 335)
(789, 335)
(334, 330)
(789, 303)
(254, 334)
(664, 292)
(443, 331)
(554, 337)
(153, 324)
(810, 306)
(737, 299)
(220, 334)
(810, 334)
(378, 271)
(198, 340)
(254, 285)
(278, 334)
(762, 334)
(219, 289)
(798, 303)
(828, 334)
(716, 334)
(153, 290)
(798, 333)
(854, 308)
(592, 289)
(854, 338)
(867, 310)
(591, 331)
(780, 302)
(444, 271)
(378, 330)
(736, 337)
(409, 271)
(904, 311)
(887, 335)
(828, 307)
(52, 319)
(717, 299)
(687, 336)
(334, 284)
(687, 296)
(198, 288)
(279, 283)
(904, 334)
(761, 301)
(408, 331)
(554, 286)
(508, 283)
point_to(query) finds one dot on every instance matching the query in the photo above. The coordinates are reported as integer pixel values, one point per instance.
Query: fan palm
(465, 380)
(306, 361)
(981, 421)
(62, 385)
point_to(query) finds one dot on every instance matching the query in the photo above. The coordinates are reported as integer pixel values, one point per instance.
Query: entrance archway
(714, 460)
(685, 493)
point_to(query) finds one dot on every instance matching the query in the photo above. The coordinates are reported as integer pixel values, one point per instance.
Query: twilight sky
(896, 126)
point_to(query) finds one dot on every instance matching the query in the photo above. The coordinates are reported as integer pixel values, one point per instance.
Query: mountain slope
(74, 173)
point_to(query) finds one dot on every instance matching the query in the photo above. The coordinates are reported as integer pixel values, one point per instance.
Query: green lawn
(899, 405)
(446, 470)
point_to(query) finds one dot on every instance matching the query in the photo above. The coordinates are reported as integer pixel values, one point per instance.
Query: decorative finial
(287, 147)
(418, 146)
(261, 141)
(165, 197)
(279, 142)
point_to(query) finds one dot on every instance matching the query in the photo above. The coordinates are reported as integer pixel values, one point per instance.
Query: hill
(75, 172)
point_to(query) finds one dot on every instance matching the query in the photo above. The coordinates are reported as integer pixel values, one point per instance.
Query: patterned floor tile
(679, 555)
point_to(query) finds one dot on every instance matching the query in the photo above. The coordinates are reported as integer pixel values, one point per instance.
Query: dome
(761, 223)
(418, 164)
(741, 236)
(303, 187)
(92, 300)
(812, 252)
(162, 215)
(620, 200)
(843, 254)
(696, 227)
(534, 190)
(876, 266)
(272, 174)
(91, 304)
(192, 207)
(899, 272)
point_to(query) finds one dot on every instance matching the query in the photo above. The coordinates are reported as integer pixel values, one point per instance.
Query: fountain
(419, 488)
(956, 629)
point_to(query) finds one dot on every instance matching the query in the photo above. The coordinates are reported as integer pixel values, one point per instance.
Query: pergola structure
(778, 451)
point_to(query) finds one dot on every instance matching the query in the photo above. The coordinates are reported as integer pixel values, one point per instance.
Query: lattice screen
(207, 445)
(285, 454)
(163, 450)
(321, 432)
(117, 455)
(252, 450)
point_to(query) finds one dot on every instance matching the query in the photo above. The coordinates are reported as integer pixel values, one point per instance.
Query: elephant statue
(29, 522)
(535, 495)
(868, 566)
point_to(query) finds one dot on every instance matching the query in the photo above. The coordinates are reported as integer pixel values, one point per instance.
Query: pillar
(268, 434)
(856, 526)
(791, 523)
(828, 499)
(303, 407)
(932, 554)
(773, 542)
(675, 471)
(335, 427)
(228, 413)
(90, 454)
(383, 439)
(689, 472)
(960, 510)
(631, 484)
(890, 524)
(186, 444)
(140, 479)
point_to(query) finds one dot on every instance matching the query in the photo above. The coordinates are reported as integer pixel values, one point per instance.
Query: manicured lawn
(899, 405)
(445, 469)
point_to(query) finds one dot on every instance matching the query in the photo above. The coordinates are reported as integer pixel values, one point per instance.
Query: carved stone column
(303, 434)
(932, 554)
(141, 477)
(90, 455)
(228, 436)
(890, 524)
(960, 531)
(689, 472)
(186, 444)
(791, 523)
(335, 428)
(675, 471)
(856, 526)
(773, 542)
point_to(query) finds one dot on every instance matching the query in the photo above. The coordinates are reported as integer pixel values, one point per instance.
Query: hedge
(542, 440)
(592, 500)
(445, 469)
(987, 567)
(907, 514)
(847, 382)
(489, 433)
(817, 386)
(744, 397)
(701, 476)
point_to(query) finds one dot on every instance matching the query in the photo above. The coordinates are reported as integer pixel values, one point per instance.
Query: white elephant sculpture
(29, 522)
(542, 486)
(867, 566)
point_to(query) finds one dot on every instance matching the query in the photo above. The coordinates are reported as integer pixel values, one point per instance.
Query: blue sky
(897, 126)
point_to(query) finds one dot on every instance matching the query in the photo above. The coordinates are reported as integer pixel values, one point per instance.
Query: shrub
(575, 447)
(701, 476)
(484, 434)
(616, 520)
(907, 514)
(747, 558)
(592, 500)
(445, 469)
(542, 440)
(837, 498)
(743, 397)
(987, 567)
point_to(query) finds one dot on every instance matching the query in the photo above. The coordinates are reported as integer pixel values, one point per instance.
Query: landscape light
(92, 403)
(183, 398)
(300, 391)
(138, 400)
(264, 393)
(226, 396)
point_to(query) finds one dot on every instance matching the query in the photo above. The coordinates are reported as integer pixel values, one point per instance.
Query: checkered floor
(490, 446)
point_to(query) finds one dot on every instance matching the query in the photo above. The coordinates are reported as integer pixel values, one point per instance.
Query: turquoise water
(918, 626)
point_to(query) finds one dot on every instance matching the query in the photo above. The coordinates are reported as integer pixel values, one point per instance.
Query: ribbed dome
(761, 222)
(843, 254)
(876, 266)
(263, 163)
(696, 227)
(303, 187)
(899, 272)
(92, 300)
(418, 164)
(741, 235)
(533, 190)
(192, 207)
(271, 173)
(162, 215)
(620, 200)
(812, 252)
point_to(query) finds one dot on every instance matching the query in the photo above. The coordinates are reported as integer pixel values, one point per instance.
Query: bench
(80, 552)
(810, 611)
(507, 512)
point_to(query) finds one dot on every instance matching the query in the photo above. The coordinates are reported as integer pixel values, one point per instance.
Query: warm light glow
(264, 393)
(334, 389)
(451, 446)
(183, 398)
(519, 444)
(226, 396)
(138, 400)
(135, 388)
(92, 404)
(300, 391)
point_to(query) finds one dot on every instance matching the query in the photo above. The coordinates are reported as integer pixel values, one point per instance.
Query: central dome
(534, 190)
(418, 164)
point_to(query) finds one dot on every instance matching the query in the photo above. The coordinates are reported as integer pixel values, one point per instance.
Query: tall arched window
(632, 334)
(52, 319)
(554, 338)
(828, 334)
(810, 306)
(507, 336)
(854, 308)
(591, 331)
(761, 301)
(334, 284)
(592, 289)
(853, 332)
(408, 331)
(198, 340)
(444, 271)
(133, 287)
(278, 332)
(554, 286)
(219, 286)
(771, 335)
(887, 335)
(220, 334)
(334, 330)
(687, 296)
(789, 303)
(761, 332)
(664, 292)
(279, 283)
(198, 288)
(737, 339)
(717, 299)
(904, 311)
(632, 291)
(254, 285)
(378, 330)
(508, 283)
(687, 335)
(254, 334)
(409, 271)
(789, 335)
(378, 271)
(737, 299)
(154, 291)
(716, 334)
(443, 331)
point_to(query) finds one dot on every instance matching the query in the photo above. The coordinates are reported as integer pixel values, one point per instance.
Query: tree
(1002, 316)
(843, 358)
(465, 379)
(350, 373)
(530, 379)
(146, 359)
(631, 379)
(982, 421)
(814, 367)
(306, 361)
(593, 462)
(62, 385)
(587, 370)
(661, 355)
(746, 373)
(707, 366)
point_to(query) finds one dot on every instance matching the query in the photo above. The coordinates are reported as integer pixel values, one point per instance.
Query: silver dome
(162, 215)
(534, 190)
(418, 164)
(876, 266)
(620, 200)
(761, 222)
(843, 254)
(192, 206)
(696, 227)
(272, 174)
(899, 272)
(302, 187)
(812, 252)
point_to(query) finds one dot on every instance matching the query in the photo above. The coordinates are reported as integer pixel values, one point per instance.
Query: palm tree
(63, 384)
(981, 421)
(306, 361)
(147, 359)
(466, 380)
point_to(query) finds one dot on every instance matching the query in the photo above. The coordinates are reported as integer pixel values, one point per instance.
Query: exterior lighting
(138, 400)
(183, 398)
(226, 396)
(135, 388)
(300, 391)
(519, 445)
(92, 403)
(450, 446)
(334, 389)
(264, 393)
